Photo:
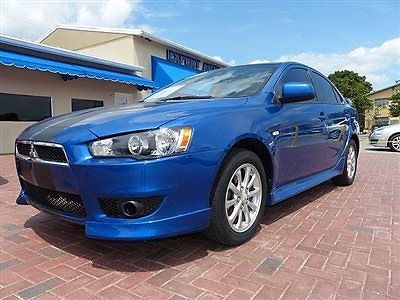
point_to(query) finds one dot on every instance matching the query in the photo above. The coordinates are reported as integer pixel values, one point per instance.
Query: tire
(394, 143)
(348, 175)
(227, 201)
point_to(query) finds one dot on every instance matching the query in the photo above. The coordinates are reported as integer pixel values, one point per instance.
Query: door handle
(322, 116)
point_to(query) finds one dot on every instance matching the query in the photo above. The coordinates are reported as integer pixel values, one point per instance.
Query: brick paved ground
(326, 243)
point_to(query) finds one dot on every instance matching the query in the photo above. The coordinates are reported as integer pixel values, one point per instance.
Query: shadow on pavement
(151, 255)
(376, 149)
(3, 180)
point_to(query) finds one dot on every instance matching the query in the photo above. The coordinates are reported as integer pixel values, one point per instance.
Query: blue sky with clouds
(329, 35)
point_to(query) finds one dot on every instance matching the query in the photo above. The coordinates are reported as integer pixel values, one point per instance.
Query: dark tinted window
(24, 108)
(297, 75)
(324, 89)
(338, 97)
(79, 104)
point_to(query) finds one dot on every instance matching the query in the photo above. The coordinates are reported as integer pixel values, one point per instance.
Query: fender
(268, 143)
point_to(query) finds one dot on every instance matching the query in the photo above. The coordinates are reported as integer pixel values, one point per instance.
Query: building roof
(136, 32)
(386, 88)
(22, 46)
(23, 54)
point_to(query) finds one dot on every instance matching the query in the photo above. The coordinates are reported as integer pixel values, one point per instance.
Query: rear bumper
(183, 181)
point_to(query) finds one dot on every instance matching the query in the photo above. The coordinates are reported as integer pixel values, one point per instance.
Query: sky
(363, 36)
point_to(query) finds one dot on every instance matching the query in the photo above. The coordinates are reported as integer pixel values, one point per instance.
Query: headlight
(146, 144)
(377, 132)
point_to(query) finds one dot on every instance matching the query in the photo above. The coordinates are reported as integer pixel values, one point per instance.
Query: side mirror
(297, 91)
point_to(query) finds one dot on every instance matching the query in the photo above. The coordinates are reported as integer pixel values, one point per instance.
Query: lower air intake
(114, 207)
(57, 202)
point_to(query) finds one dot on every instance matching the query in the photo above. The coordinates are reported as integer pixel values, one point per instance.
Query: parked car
(206, 154)
(386, 136)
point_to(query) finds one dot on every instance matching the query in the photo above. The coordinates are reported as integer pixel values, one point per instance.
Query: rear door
(299, 133)
(335, 119)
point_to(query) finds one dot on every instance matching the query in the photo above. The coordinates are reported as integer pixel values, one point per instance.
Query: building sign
(209, 67)
(189, 61)
(183, 60)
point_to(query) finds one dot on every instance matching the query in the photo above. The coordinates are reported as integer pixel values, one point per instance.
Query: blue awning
(165, 72)
(13, 59)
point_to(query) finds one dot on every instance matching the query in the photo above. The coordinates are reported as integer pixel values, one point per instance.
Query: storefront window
(15, 107)
(79, 104)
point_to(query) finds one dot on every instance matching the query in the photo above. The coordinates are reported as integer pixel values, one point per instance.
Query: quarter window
(26, 108)
(79, 104)
(339, 98)
(324, 89)
(382, 102)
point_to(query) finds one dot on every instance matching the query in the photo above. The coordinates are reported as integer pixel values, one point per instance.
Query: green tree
(394, 107)
(355, 87)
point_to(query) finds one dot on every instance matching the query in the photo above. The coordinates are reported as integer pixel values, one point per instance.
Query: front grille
(41, 151)
(58, 202)
(49, 153)
(23, 149)
(112, 206)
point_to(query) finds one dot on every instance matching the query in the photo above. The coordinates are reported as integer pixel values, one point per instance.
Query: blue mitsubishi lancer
(206, 154)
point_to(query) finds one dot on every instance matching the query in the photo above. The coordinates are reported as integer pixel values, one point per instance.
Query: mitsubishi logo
(33, 155)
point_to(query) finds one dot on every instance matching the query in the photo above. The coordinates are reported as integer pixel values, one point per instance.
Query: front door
(299, 134)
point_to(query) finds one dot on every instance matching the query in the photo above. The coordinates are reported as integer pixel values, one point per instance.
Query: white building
(163, 61)
(77, 68)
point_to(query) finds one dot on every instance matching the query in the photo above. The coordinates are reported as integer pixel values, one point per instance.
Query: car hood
(393, 126)
(122, 119)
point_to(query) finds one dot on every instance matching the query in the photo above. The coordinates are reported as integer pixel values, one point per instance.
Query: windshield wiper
(186, 97)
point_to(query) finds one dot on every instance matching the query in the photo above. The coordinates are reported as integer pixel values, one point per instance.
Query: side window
(296, 75)
(324, 89)
(338, 97)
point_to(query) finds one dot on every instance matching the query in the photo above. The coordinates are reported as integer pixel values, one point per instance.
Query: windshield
(230, 82)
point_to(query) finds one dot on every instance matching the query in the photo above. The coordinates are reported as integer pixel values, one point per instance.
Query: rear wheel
(238, 201)
(350, 168)
(394, 143)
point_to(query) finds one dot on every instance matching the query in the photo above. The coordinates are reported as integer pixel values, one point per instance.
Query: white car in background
(386, 136)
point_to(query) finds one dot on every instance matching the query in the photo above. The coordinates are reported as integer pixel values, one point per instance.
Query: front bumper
(377, 140)
(184, 182)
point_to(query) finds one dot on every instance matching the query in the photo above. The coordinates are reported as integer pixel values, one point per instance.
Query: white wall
(120, 50)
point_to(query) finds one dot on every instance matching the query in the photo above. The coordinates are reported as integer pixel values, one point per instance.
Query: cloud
(374, 62)
(221, 59)
(31, 19)
(285, 17)
(111, 13)
(260, 61)
(149, 28)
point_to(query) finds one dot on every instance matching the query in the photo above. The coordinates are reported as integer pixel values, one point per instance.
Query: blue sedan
(206, 154)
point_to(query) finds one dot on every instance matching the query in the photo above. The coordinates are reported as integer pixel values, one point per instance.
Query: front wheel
(238, 201)
(350, 168)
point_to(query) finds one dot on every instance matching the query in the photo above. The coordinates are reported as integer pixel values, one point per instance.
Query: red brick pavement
(326, 243)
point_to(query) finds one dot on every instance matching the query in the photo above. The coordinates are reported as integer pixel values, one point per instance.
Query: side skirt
(301, 185)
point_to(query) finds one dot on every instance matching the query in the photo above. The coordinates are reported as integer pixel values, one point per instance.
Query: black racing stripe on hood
(53, 126)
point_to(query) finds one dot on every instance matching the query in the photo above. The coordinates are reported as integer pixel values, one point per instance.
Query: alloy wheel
(351, 161)
(243, 197)
(396, 143)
